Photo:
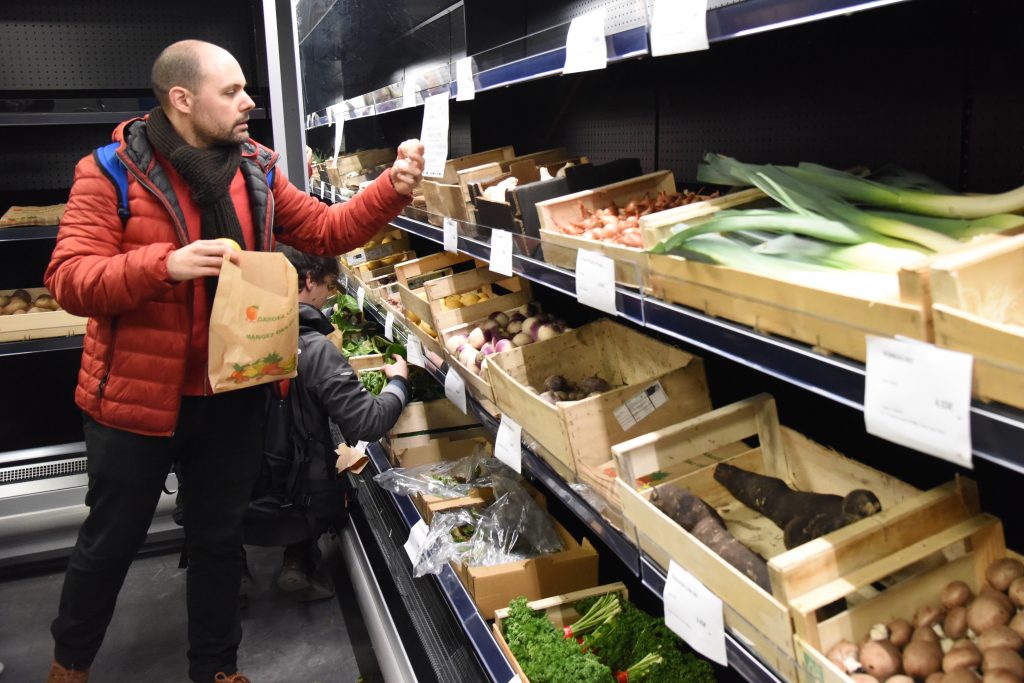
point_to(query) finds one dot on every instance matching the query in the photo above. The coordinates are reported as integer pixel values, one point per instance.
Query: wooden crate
(470, 281)
(445, 200)
(431, 417)
(981, 536)
(560, 249)
(560, 611)
(657, 227)
(583, 431)
(572, 569)
(408, 451)
(362, 255)
(686, 455)
(371, 361)
(407, 272)
(338, 167)
(453, 166)
(374, 269)
(978, 308)
(39, 325)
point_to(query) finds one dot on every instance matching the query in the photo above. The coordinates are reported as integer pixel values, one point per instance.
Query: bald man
(146, 282)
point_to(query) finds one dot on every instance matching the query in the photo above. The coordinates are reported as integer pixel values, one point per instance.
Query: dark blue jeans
(218, 446)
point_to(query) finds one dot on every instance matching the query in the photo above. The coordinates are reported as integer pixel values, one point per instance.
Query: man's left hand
(408, 167)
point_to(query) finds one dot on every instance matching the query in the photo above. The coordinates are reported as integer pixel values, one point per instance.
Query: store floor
(284, 641)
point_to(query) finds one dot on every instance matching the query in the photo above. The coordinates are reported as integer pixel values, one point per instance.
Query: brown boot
(233, 678)
(58, 674)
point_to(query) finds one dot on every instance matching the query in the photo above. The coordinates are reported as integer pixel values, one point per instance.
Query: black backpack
(298, 493)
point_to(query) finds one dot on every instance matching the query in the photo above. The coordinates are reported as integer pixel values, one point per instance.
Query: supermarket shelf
(39, 345)
(740, 658)
(48, 452)
(76, 118)
(476, 629)
(757, 16)
(31, 232)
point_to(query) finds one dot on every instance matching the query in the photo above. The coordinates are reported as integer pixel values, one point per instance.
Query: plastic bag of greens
(445, 479)
(512, 528)
(445, 541)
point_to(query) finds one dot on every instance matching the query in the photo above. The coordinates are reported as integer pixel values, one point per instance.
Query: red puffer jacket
(140, 321)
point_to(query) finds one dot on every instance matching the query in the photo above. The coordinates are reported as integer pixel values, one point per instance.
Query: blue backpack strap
(114, 169)
(270, 179)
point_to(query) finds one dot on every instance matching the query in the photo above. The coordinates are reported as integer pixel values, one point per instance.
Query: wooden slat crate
(560, 611)
(560, 249)
(39, 325)
(978, 308)
(378, 251)
(970, 544)
(631, 362)
(409, 451)
(686, 455)
(479, 279)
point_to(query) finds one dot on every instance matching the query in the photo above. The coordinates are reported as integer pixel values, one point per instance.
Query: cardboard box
(39, 325)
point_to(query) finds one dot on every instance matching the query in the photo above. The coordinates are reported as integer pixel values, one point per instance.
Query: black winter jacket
(331, 389)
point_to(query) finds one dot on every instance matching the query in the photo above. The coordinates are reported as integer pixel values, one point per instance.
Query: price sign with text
(585, 48)
(455, 389)
(434, 135)
(501, 252)
(694, 613)
(507, 444)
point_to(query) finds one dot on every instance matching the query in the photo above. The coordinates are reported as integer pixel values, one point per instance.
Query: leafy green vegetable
(601, 612)
(374, 381)
(544, 654)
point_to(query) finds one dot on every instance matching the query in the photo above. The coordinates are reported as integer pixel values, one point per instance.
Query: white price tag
(339, 130)
(464, 79)
(414, 546)
(637, 407)
(919, 396)
(515, 679)
(678, 26)
(389, 326)
(414, 351)
(361, 446)
(508, 445)
(409, 91)
(321, 189)
(585, 48)
(455, 389)
(451, 235)
(434, 135)
(332, 194)
(501, 252)
(360, 297)
(595, 281)
(694, 613)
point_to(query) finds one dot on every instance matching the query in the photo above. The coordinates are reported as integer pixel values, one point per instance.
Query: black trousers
(218, 445)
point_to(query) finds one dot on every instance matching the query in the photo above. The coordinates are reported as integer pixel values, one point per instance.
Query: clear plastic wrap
(445, 479)
(440, 546)
(512, 528)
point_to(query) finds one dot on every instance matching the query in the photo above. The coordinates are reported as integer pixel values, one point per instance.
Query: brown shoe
(233, 678)
(58, 674)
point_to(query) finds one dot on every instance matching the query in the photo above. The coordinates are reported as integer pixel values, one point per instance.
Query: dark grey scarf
(208, 172)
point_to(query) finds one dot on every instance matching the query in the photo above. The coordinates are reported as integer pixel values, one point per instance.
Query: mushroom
(988, 611)
(961, 658)
(1001, 573)
(1003, 658)
(1000, 636)
(1000, 676)
(922, 658)
(1017, 624)
(900, 631)
(934, 678)
(961, 676)
(955, 594)
(955, 624)
(899, 678)
(928, 615)
(880, 658)
(1016, 592)
(844, 654)
(879, 632)
(924, 633)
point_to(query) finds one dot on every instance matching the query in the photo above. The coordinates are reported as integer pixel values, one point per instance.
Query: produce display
(501, 332)
(612, 642)
(831, 220)
(801, 515)
(956, 638)
(707, 526)
(621, 226)
(421, 384)
(20, 302)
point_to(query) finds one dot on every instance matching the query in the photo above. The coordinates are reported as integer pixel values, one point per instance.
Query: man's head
(201, 88)
(318, 275)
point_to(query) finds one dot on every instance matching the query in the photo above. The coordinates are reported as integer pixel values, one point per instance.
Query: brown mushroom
(899, 678)
(1017, 624)
(1000, 676)
(925, 633)
(1001, 573)
(990, 592)
(955, 624)
(961, 658)
(928, 615)
(1016, 592)
(1003, 658)
(22, 294)
(844, 654)
(880, 658)
(922, 658)
(988, 611)
(956, 594)
(935, 678)
(1000, 636)
(961, 676)
(900, 631)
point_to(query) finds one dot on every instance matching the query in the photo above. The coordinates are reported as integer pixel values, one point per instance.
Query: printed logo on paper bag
(252, 313)
(271, 364)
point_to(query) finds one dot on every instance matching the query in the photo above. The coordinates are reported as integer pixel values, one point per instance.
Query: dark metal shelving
(31, 232)
(15, 348)
(78, 118)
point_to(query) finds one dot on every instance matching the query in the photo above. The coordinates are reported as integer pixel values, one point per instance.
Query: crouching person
(299, 494)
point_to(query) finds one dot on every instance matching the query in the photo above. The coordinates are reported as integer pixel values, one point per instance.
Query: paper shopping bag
(254, 323)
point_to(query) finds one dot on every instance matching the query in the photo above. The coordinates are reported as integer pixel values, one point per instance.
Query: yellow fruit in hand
(231, 242)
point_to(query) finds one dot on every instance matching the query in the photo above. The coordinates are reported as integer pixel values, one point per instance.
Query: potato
(956, 594)
(1000, 636)
(955, 624)
(922, 658)
(986, 612)
(1003, 658)
(1001, 573)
